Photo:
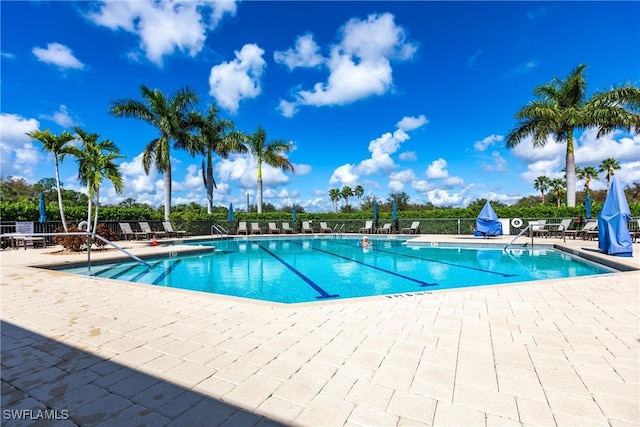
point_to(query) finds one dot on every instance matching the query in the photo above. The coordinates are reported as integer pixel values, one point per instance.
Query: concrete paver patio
(102, 352)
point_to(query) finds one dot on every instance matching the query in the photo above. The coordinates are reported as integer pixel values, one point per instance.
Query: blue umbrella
(394, 208)
(587, 206)
(230, 212)
(613, 223)
(293, 213)
(43, 210)
(375, 211)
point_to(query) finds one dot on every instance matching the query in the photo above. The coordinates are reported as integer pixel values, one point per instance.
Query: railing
(219, 230)
(524, 230)
(89, 236)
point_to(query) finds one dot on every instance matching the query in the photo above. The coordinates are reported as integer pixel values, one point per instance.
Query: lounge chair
(171, 232)
(324, 228)
(563, 227)
(286, 229)
(242, 228)
(386, 228)
(306, 228)
(413, 229)
(368, 227)
(128, 233)
(146, 229)
(636, 233)
(273, 229)
(589, 226)
(539, 228)
(255, 228)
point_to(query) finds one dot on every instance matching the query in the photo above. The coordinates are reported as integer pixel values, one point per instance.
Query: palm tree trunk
(167, 192)
(95, 220)
(259, 186)
(209, 183)
(571, 173)
(60, 207)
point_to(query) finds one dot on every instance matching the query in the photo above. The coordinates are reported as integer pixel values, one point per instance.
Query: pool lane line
(314, 285)
(166, 272)
(435, 260)
(420, 282)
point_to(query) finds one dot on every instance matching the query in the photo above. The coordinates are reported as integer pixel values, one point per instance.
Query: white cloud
(590, 150)
(61, 117)
(422, 186)
(408, 156)
(444, 198)
(304, 54)
(406, 175)
(437, 169)
(408, 124)
(244, 171)
(487, 142)
(359, 65)
(396, 186)
(302, 169)
(18, 154)
(164, 27)
(499, 163)
(233, 81)
(344, 174)
(58, 55)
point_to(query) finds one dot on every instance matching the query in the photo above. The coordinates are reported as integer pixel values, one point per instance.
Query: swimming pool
(304, 269)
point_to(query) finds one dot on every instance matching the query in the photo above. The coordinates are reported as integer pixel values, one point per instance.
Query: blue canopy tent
(43, 209)
(613, 223)
(487, 223)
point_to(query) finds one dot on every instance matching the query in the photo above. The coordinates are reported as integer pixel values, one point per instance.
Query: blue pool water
(291, 270)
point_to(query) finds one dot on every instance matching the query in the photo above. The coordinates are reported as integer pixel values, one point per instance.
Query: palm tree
(56, 145)
(271, 153)
(334, 195)
(609, 166)
(169, 116)
(346, 192)
(542, 184)
(96, 163)
(562, 108)
(358, 191)
(588, 173)
(558, 187)
(215, 136)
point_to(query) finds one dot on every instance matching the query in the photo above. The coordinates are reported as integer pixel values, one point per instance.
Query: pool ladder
(524, 230)
(338, 230)
(220, 231)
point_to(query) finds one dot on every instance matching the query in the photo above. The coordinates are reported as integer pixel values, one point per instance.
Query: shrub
(71, 243)
(106, 233)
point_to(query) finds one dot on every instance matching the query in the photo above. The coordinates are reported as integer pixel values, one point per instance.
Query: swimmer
(365, 242)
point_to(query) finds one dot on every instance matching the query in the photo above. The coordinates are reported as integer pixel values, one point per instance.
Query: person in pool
(365, 242)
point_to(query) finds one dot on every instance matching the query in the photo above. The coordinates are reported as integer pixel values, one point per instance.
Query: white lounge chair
(588, 227)
(413, 229)
(324, 228)
(539, 228)
(386, 229)
(306, 228)
(128, 233)
(146, 229)
(273, 229)
(368, 227)
(563, 227)
(255, 228)
(286, 229)
(242, 228)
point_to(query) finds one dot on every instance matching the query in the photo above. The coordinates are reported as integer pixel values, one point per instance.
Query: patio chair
(324, 228)
(146, 229)
(413, 229)
(128, 233)
(171, 231)
(368, 227)
(385, 229)
(589, 226)
(306, 228)
(286, 229)
(539, 228)
(242, 228)
(636, 233)
(273, 229)
(563, 227)
(255, 228)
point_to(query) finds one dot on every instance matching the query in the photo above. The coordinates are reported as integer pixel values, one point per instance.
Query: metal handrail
(219, 230)
(88, 234)
(520, 234)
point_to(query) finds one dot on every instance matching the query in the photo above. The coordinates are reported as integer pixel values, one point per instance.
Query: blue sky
(394, 96)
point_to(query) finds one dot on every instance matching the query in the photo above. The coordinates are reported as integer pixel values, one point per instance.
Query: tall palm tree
(169, 116)
(96, 163)
(335, 196)
(271, 153)
(346, 192)
(558, 188)
(609, 166)
(214, 136)
(542, 184)
(358, 191)
(562, 107)
(56, 145)
(587, 173)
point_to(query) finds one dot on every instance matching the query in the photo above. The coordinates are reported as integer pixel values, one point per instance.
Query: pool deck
(101, 352)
